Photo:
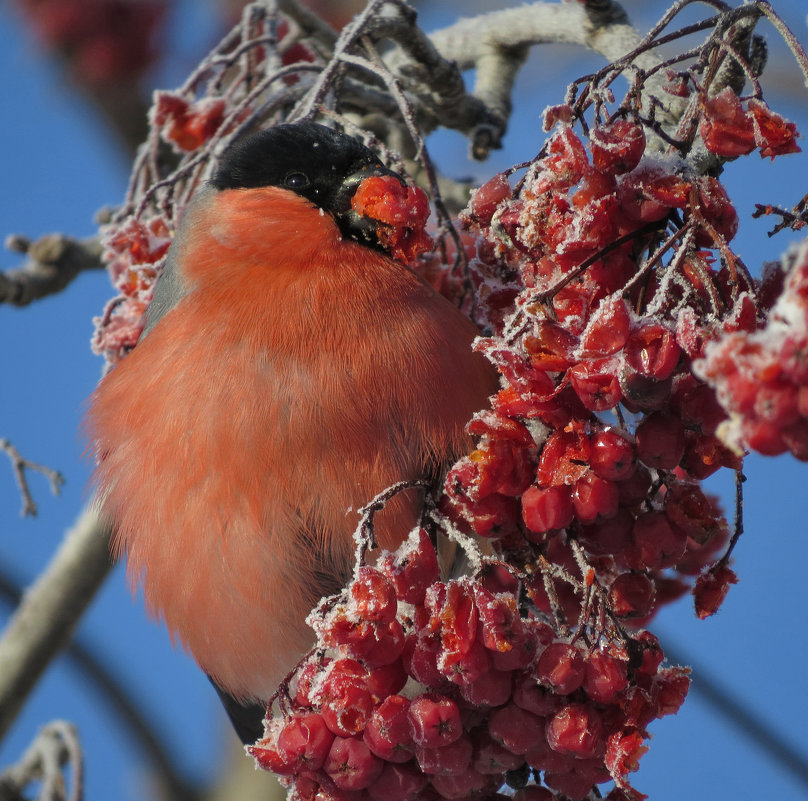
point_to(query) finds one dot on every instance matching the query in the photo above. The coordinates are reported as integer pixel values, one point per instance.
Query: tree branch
(54, 260)
(51, 608)
(55, 747)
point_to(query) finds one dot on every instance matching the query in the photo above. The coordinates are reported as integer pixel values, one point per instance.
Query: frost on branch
(603, 279)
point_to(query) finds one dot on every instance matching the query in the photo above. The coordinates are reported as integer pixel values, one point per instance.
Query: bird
(289, 370)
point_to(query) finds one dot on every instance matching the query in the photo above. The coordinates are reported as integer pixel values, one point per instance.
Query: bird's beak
(351, 223)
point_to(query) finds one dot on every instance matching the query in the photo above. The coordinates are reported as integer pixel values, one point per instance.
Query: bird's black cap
(314, 161)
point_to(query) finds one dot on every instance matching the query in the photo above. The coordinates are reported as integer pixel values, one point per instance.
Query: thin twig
(19, 464)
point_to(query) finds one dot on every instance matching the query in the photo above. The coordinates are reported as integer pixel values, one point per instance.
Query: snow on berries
(484, 690)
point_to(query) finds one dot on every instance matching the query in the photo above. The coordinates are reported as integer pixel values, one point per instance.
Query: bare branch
(54, 260)
(51, 608)
(56, 746)
(19, 464)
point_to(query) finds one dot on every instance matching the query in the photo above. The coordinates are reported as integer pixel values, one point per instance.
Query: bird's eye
(296, 180)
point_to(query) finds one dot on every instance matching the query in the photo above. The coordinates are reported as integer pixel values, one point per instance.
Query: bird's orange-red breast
(287, 374)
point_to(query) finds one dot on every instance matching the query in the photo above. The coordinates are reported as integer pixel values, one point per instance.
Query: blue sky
(59, 166)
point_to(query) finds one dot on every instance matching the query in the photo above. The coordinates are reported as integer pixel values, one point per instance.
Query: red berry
(596, 383)
(546, 509)
(469, 667)
(491, 757)
(565, 456)
(384, 680)
(523, 649)
(671, 685)
(608, 537)
(271, 757)
(543, 757)
(454, 616)
(434, 721)
(652, 350)
(351, 765)
(642, 393)
(452, 758)
(387, 732)
(561, 667)
(605, 677)
(531, 696)
(414, 568)
(374, 595)
(576, 729)
(690, 510)
(375, 644)
(420, 659)
(660, 441)
(623, 752)
(491, 689)
(308, 739)
(485, 200)
(346, 701)
(655, 543)
(398, 783)
(773, 134)
(618, 147)
(711, 589)
(594, 497)
(725, 127)
(632, 595)
(634, 490)
(612, 455)
(517, 729)
(607, 330)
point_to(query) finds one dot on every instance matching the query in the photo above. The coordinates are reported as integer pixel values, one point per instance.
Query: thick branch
(496, 44)
(50, 610)
(54, 261)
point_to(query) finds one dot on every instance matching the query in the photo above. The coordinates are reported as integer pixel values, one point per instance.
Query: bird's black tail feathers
(247, 719)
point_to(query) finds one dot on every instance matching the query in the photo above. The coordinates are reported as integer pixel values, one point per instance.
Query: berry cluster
(430, 689)
(134, 250)
(593, 452)
(186, 124)
(761, 375)
(109, 42)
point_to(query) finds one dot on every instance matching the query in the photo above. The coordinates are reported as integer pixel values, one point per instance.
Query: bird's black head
(316, 162)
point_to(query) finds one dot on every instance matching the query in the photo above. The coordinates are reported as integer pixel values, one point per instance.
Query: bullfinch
(289, 370)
